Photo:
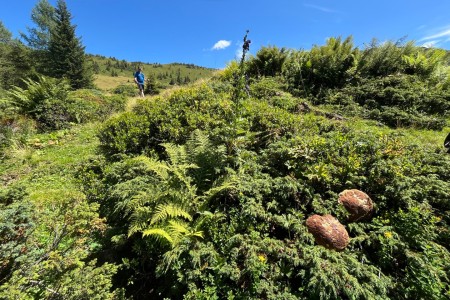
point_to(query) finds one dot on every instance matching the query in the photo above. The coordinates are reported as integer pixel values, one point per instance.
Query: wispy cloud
(430, 44)
(220, 45)
(321, 8)
(441, 34)
(436, 37)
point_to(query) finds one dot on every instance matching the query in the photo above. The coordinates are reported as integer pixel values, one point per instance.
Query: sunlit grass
(108, 83)
(47, 162)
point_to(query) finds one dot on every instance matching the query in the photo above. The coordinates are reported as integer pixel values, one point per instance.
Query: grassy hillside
(122, 72)
(108, 83)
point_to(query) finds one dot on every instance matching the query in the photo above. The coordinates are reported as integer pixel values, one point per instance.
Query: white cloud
(321, 8)
(430, 44)
(238, 53)
(443, 33)
(439, 36)
(222, 44)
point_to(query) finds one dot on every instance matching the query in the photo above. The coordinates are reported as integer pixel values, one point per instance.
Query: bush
(267, 62)
(255, 189)
(53, 106)
(127, 90)
(156, 121)
(266, 88)
(93, 105)
(323, 67)
(397, 100)
(395, 117)
(126, 133)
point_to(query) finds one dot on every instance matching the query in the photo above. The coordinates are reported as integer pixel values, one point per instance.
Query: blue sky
(209, 32)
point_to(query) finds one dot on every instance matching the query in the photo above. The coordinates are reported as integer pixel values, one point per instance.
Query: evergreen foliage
(399, 83)
(268, 61)
(43, 15)
(66, 53)
(203, 192)
(5, 34)
(16, 63)
(293, 160)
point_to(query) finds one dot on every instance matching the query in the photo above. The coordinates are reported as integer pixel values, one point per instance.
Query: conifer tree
(13, 56)
(43, 15)
(5, 34)
(66, 53)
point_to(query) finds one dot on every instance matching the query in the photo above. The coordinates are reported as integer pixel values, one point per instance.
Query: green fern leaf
(159, 233)
(165, 211)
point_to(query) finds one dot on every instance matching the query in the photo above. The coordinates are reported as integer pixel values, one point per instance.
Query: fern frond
(180, 173)
(197, 234)
(170, 257)
(165, 211)
(197, 142)
(178, 230)
(229, 183)
(129, 205)
(139, 220)
(178, 227)
(160, 168)
(205, 216)
(177, 154)
(159, 234)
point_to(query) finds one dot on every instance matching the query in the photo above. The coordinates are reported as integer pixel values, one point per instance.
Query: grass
(47, 162)
(163, 73)
(107, 83)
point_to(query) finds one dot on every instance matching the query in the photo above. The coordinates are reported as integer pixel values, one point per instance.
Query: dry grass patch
(108, 82)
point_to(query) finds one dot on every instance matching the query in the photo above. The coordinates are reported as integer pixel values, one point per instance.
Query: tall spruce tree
(66, 53)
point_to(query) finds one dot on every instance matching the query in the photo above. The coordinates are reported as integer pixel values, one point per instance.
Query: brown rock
(357, 203)
(328, 232)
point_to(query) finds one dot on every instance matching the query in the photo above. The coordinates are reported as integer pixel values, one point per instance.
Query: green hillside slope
(165, 74)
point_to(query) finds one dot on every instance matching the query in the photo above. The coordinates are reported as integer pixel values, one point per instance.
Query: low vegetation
(204, 192)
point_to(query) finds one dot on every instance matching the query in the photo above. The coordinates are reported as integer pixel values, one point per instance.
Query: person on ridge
(139, 78)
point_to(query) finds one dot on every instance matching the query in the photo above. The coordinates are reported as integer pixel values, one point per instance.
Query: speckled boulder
(357, 203)
(328, 232)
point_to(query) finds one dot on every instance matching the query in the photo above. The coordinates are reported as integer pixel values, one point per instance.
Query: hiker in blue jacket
(447, 143)
(139, 78)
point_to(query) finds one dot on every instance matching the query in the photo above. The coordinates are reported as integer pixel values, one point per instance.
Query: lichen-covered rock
(328, 232)
(357, 203)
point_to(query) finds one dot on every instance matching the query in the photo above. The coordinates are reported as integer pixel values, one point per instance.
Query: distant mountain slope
(166, 74)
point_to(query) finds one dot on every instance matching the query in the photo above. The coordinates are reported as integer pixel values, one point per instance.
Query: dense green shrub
(44, 254)
(152, 86)
(396, 117)
(323, 67)
(128, 90)
(16, 224)
(389, 58)
(222, 215)
(93, 105)
(383, 59)
(53, 106)
(125, 133)
(160, 120)
(290, 167)
(267, 62)
(397, 100)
